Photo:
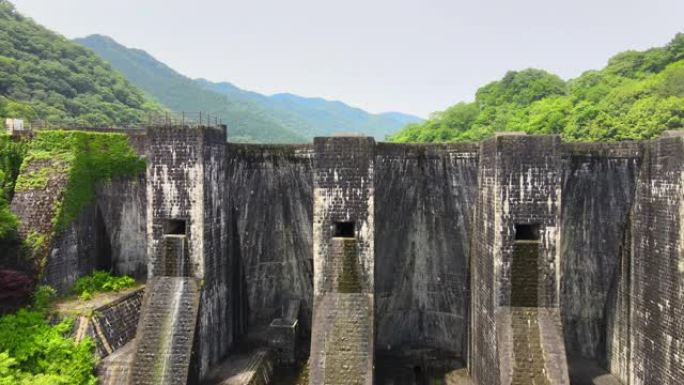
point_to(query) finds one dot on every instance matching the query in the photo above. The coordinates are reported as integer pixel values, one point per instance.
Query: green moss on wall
(86, 158)
(349, 280)
(35, 240)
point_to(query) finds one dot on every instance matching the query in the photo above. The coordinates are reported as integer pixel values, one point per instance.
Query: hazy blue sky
(381, 55)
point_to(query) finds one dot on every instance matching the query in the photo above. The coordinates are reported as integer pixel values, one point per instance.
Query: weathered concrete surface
(483, 360)
(424, 366)
(166, 331)
(598, 192)
(587, 372)
(122, 205)
(424, 197)
(531, 348)
(423, 268)
(270, 190)
(186, 187)
(657, 267)
(115, 369)
(520, 187)
(215, 327)
(250, 368)
(78, 250)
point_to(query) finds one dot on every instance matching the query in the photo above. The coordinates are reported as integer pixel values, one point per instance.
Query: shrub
(43, 297)
(99, 282)
(34, 352)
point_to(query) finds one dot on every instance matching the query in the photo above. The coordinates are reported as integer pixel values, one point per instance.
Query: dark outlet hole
(175, 227)
(344, 229)
(527, 232)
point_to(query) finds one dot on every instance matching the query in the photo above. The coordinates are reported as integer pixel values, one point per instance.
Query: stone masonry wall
(118, 320)
(529, 178)
(35, 208)
(519, 188)
(424, 197)
(342, 341)
(657, 267)
(529, 182)
(186, 194)
(174, 192)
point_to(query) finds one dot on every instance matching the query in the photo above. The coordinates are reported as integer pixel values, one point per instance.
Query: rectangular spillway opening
(176, 258)
(525, 269)
(175, 227)
(344, 230)
(527, 232)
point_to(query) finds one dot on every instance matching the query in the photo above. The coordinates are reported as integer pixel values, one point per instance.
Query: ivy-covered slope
(61, 169)
(636, 96)
(45, 76)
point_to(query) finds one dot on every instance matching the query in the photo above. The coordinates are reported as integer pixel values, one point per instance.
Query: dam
(518, 260)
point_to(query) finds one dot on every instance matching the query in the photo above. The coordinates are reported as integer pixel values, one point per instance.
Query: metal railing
(185, 119)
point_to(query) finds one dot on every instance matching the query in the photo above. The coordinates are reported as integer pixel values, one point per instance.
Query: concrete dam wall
(518, 260)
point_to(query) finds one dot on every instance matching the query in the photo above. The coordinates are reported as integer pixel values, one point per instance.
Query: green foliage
(86, 157)
(8, 222)
(100, 282)
(45, 76)
(12, 152)
(637, 95)
(11, 155)
(42, 297)
(32, 351)
(34, 240)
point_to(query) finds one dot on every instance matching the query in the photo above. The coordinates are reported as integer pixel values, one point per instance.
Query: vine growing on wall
(84, 159)
(12, 152)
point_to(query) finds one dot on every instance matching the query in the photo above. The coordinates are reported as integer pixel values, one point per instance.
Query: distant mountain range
(251, 117)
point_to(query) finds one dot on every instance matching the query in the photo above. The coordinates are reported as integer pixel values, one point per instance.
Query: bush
(99, 282)
(34, 352)
(11, 154)
(43, 297)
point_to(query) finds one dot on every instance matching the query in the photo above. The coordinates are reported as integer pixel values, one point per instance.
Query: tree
(636, 96)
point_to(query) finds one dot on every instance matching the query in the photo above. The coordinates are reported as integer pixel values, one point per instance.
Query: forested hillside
(44, 76)
(636, 96)
(250, 116)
